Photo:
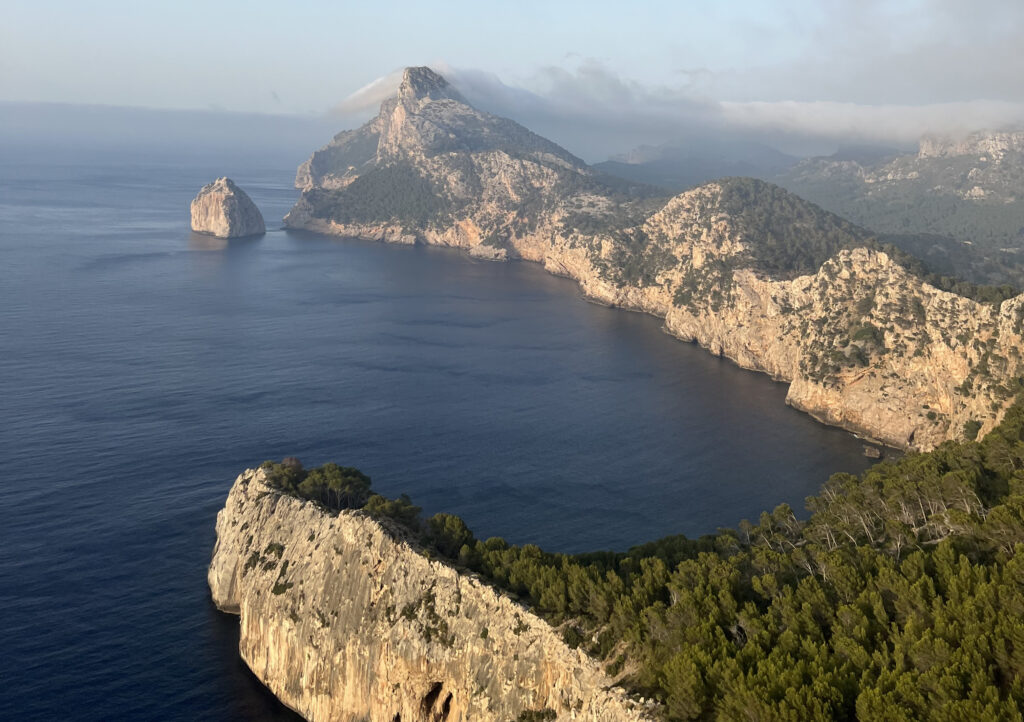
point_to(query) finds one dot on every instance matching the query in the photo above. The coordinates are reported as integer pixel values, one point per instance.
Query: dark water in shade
(143, 368)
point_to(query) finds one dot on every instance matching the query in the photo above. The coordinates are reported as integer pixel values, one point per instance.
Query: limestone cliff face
(992, 145)
(863, 343)
(224, 210)
(343, 620)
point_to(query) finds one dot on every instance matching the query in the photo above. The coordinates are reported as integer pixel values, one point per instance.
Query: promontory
(863, 335)
(224, 210)
(345, 618)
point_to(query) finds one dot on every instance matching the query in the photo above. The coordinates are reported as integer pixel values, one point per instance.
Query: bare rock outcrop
(224, 210)
(993, 145)
(345, 621)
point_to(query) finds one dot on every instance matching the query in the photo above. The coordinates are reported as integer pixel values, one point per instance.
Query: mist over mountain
(597, 113)
(685, 164)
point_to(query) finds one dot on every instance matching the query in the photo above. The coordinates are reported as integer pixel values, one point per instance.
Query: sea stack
(224, 210)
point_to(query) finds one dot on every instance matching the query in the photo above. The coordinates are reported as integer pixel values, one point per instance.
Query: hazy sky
(858, 68)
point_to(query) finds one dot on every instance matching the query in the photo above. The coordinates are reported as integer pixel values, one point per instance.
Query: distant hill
(957, 203)
(679, 166)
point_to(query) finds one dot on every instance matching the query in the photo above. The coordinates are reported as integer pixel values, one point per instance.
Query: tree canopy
(900, 597)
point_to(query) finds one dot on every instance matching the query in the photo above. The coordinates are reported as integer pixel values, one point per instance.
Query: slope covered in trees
(900, 597)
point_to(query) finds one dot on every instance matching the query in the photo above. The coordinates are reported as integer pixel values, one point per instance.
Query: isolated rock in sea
(345, 620)
(224, 210)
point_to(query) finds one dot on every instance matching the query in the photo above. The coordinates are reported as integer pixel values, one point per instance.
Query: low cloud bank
(596, 113)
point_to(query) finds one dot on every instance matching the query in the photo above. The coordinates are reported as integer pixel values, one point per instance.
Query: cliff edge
(344, 620)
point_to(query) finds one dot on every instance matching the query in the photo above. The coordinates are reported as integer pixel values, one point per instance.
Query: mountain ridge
(746, 269)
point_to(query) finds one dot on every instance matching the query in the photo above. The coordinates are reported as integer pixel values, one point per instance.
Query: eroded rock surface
(224, 210)
(345, 621)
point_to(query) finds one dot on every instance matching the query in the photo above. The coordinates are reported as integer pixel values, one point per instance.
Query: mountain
(430, 163)
(678, 166)
(957, 203)
(743, 267)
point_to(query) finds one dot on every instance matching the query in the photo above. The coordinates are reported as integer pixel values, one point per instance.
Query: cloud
(883, 124)
(864, 71)
(369, 97)
(882, 52)
(803, 75)
(595, 112)
(588, 109)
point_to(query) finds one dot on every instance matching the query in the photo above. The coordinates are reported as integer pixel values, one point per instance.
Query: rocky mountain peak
(425, 120)
(422, 83)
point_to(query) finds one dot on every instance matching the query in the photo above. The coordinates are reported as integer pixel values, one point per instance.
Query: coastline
(402, 238)
(343, 617)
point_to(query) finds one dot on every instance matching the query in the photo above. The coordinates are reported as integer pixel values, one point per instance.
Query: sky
(603, 75)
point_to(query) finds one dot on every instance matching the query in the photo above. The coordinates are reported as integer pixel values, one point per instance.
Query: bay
(144, 367)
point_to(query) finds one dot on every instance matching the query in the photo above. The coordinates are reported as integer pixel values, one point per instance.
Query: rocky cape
(345, 619)
(742, 267)
(224, 210)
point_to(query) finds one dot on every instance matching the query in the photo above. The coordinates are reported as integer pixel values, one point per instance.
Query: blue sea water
(143, 367)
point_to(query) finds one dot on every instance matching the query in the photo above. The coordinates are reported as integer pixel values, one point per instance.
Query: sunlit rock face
(344, 620)
(224, 210)
(864, 343)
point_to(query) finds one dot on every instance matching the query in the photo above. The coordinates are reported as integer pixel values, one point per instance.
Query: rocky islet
(224, 210)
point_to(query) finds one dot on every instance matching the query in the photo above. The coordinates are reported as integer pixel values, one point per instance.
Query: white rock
(224, 210)
(346, 622)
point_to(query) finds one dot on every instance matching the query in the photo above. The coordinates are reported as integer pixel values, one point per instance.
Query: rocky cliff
(740, 266)
(985, 145)
(224, 210)
(345, 620)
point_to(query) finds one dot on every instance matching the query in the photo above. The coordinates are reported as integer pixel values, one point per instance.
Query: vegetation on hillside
(396, 192)
(901, 597)
(950, 257)
(924, 211)
(992, 295)
(785, 235)
(339, 487)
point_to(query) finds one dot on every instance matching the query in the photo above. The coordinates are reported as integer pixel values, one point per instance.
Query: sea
(143, 367)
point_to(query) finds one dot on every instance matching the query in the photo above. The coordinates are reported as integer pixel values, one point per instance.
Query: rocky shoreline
(889, 407)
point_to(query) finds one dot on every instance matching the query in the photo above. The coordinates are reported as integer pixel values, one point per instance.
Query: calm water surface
(144, 367)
